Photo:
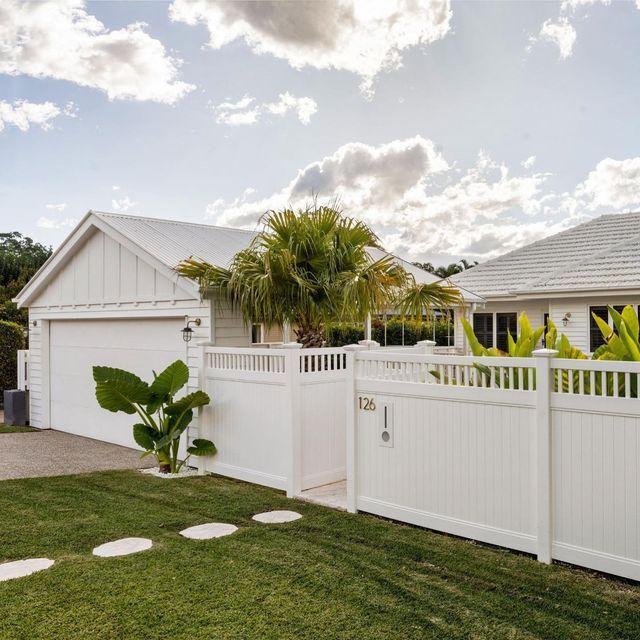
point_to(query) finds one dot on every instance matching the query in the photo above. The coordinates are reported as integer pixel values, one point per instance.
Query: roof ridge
(110, 214)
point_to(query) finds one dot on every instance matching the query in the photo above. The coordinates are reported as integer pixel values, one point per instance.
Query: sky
(455, 129)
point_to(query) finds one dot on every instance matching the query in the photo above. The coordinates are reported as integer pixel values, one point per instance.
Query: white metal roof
(596, 255)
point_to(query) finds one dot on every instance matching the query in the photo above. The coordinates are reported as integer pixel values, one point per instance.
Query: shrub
(11, 339)
(339, 334)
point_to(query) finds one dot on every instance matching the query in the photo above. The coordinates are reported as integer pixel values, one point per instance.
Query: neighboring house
(567, 277)
(109, 295)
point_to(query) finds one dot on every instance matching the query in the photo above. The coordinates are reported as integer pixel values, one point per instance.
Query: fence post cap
(426, 343)
(369, 344)
(354, 347)
(545, 353)
(290, 345)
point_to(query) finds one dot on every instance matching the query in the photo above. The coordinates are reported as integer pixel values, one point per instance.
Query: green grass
(328, 575)
(6, 428)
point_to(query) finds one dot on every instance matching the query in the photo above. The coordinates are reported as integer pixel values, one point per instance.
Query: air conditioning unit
(16, 407)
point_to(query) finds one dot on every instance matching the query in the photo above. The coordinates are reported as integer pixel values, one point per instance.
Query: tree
(20, 258)
(305, 268)
(446, 271)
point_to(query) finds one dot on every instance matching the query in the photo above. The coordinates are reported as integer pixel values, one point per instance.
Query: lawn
(328, 575)
(6, 428)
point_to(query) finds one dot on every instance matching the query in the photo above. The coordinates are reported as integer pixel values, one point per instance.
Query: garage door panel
(139, 346)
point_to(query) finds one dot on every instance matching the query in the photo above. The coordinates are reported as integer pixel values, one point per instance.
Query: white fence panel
(23, 369)
(596, 467)
(277, 416)
(322, 416)
(246, 418)
(455, 464)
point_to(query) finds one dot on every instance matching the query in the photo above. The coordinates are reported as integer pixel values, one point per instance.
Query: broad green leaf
(200, 447)
(474, 344)
(512, 346)
(145, 436)
(119, 396)
(605, 329)
(102, 374)
(190, 401)
(631, 320)
(171, 380)
(629, 343)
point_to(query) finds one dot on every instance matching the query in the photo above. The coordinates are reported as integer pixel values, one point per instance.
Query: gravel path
(53, 453)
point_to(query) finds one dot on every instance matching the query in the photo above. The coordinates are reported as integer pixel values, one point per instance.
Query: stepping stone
(21, 568)
(208, 531)
(277, 517)
(122, 547)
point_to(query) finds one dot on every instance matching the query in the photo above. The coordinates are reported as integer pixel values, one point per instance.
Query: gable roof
(601, 254)
(165, 243)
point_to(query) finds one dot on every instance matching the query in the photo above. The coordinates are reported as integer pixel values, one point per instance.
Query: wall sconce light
(187, 332)
(34, 323)
(565, 320)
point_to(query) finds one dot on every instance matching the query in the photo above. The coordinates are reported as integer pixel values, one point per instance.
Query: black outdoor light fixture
(187, 332)
(565, 320)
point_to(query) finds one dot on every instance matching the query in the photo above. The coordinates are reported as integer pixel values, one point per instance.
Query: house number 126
(366, 404)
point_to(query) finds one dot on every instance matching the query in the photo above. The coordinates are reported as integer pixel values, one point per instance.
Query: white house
(567, 277)
(109, 296)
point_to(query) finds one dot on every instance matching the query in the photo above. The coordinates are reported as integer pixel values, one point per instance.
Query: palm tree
(305, 268)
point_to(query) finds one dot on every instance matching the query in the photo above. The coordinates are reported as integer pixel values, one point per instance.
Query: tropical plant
(446, 271)
(164, 419)
(418, 299)
(621, 340)
(305, 269)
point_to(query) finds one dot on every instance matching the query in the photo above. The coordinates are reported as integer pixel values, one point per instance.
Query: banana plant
(522, 347)
(163, 419)
(622, 342)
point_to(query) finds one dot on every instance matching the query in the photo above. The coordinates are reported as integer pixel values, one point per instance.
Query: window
(257, 333)
(483, 328)
(506, 323)
(595, 335)
(545, 324)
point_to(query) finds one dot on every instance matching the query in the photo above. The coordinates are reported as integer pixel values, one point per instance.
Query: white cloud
(415, 199)
(23, 114)
(613, 184)
(560, 33)
(529, 162)
(123, 204)
(115, 187)
(53, 223)
(59, 39)
(246, 111)
(364, 37)
(57, 207)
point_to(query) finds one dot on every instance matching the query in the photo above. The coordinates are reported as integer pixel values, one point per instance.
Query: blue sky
(456, 130)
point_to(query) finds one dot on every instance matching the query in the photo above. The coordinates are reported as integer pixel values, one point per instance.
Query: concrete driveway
(53, 453)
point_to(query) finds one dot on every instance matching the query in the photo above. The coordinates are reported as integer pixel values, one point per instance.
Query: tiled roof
(600, 254)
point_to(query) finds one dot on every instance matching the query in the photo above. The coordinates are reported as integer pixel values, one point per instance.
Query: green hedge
(339, 334)
(11, 339)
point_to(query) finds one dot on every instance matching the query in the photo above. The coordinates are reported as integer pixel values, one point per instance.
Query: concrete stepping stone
(277, 517)
(209, 531)
(122, 547)
(21, 568)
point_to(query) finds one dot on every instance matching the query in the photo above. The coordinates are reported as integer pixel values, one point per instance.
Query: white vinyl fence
(278, 415)
(23, 369)
(536, 454)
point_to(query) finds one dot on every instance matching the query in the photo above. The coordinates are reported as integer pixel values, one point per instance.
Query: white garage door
(139, 346)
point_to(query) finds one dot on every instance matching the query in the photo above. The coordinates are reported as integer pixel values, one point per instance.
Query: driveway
(53, 453)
